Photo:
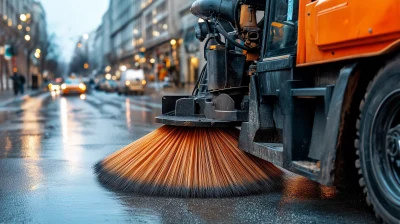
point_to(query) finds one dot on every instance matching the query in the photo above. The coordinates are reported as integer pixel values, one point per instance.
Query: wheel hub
(385, 145)
(393, 146)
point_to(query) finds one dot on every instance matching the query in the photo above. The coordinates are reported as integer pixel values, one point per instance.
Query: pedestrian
(22, 83)
(16, 83)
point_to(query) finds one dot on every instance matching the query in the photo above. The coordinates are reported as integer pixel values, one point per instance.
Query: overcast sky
(70, 19)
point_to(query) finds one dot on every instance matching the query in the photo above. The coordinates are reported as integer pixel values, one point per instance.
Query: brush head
(188, 162)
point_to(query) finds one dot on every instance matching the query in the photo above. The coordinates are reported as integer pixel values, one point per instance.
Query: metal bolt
(308, 14)
(370, 30)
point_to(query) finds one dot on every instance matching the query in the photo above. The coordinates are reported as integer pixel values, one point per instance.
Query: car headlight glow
(144, 82)
(63, 86)
(82, 86)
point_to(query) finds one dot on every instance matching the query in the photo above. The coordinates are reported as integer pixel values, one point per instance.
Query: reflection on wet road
(48, 145)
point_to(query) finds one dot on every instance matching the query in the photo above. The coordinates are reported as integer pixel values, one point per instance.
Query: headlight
(82, 86)
(63, 86)
(144, 82)
(127, 83)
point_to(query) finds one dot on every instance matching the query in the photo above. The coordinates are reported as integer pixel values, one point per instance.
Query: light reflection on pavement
(49, 143)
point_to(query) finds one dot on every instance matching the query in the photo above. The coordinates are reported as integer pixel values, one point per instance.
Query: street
(49, 143)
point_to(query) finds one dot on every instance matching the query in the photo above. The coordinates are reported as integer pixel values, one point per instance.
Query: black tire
(379, 161)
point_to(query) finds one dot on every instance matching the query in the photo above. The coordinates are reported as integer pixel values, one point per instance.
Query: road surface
(48, 145)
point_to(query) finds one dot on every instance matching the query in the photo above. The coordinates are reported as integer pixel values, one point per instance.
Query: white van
(132, 81)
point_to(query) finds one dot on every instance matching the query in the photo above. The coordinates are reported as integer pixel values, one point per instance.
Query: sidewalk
(7, 97)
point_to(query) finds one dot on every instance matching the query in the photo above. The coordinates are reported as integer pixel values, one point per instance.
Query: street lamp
(173, 42)
(27, 37)
(37, 53)
(23, 17)
(85, 36)
(86, 66)
(28, 29)
(107, 69)
(123, 68)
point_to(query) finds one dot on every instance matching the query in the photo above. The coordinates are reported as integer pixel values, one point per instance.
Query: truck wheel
(378, 143)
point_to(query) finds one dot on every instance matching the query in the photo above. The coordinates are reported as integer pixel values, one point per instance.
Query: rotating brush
(188, 162)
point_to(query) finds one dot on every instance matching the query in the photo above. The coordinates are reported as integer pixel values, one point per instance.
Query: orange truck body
(334, 30)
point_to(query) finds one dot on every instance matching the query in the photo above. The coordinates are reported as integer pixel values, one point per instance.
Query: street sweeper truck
(314, 86)
(311, 86)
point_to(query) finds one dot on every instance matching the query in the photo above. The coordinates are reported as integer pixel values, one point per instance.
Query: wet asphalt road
(48, 145)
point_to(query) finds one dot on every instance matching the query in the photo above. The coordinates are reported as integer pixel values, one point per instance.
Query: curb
(21, 98)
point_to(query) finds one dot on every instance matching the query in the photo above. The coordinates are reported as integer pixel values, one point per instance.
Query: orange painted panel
(301, 51)
(336, 29)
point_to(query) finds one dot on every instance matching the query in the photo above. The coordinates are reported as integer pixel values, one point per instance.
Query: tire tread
(357, 140)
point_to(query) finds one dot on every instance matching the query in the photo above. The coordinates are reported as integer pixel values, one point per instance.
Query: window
(282, 34)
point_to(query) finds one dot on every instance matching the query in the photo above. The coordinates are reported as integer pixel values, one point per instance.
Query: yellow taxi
(73, 86)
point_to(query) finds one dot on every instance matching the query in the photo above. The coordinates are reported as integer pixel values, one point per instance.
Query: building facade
(191, 49)
(23, 29)
(155, 35)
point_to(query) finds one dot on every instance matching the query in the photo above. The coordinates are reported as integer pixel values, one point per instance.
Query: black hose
(218, 39)
(232, 41)
(235, 17)
(205, 47)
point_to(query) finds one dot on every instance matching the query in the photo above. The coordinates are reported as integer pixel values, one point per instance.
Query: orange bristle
(188, 162)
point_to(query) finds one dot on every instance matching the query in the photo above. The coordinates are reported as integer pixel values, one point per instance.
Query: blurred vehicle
(73, 86)
(132, 81)
(110, 86)
(54, 87)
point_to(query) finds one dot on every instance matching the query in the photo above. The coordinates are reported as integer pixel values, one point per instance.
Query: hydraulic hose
(230, 39)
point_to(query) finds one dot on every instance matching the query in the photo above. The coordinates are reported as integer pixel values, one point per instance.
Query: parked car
(110, 86)
(73, 86)
(132, 81)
